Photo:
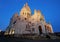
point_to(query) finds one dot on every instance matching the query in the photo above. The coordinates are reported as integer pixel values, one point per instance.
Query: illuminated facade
(26, 23)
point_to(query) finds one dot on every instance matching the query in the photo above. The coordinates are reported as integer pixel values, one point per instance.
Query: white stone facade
(27, 23)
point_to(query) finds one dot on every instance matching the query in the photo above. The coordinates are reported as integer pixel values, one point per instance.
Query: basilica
(28, 23)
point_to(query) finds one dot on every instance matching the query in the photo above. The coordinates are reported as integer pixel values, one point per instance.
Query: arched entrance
(40, 29)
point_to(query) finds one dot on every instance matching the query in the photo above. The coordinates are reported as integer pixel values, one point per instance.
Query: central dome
(25, 9)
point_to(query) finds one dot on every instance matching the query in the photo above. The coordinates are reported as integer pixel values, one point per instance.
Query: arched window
(23, 13)
(28, 15)
(14, 22)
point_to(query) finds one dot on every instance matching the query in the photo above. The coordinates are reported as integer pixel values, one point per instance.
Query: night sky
(49, 8)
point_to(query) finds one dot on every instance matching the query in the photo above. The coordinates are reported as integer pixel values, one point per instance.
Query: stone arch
(40, 29)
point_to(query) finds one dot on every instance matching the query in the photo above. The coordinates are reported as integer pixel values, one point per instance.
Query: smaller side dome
(15, 15)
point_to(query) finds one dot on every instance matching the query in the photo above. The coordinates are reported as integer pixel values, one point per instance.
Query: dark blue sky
(49, 8)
